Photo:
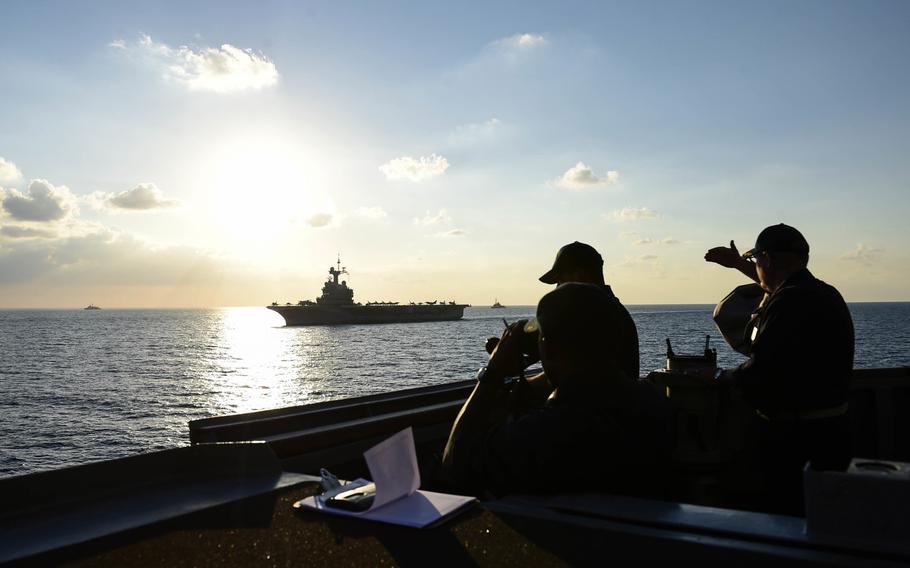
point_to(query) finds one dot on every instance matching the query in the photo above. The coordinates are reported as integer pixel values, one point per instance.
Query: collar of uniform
(801, 275)
(590, 393)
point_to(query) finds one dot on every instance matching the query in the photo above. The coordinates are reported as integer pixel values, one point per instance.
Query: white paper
(393, 465)
(416, 510)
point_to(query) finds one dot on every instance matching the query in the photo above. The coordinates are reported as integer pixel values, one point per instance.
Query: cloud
(143, 197)
(9, 173)
(43, 202)
(224, 69)
(105, 258)
(418, 169)
(668, 241)
(18, 232)
(451, 233)
(632, 214)
(318, 220)
(375, 212)
(441, 218)
(581, 176)
(863, 255)
(521, 41)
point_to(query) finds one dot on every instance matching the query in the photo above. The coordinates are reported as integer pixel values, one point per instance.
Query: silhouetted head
(577, 325)
(576, 262)
(779, 251)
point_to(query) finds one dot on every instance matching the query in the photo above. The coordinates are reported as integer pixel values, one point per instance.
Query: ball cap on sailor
(572, 257)
(779, 238)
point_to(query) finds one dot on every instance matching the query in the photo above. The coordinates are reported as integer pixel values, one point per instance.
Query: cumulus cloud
(9, 173)
(668, 241)
(19, 232)
(41, 202)
(521, 41)
(415, 169)
(441, 218)
(143, 197)
(224, 69)
(374, 212)
(863, 254)
(632, 214)
(318, 220)
(581, 176)
(451, 233)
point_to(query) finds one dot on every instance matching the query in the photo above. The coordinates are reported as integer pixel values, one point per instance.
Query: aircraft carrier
(336, 307)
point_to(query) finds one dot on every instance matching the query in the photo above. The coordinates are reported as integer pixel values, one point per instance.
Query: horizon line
(478, 306)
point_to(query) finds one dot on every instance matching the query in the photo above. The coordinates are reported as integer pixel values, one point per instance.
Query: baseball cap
(573, 256)
(779, 238)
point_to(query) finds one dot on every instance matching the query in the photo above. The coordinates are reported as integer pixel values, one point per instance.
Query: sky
(201, 154)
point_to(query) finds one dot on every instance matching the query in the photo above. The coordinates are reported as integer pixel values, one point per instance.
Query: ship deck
(263, 529)
(230, 503)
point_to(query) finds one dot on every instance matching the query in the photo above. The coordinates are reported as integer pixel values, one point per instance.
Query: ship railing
(880, 413)
(302, 430)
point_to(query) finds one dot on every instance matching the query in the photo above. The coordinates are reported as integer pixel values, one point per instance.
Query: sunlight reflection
(255, 363)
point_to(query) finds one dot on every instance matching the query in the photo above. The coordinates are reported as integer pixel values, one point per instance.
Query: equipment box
(864, 507)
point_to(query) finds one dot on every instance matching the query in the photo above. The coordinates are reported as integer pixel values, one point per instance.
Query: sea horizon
(484, 305)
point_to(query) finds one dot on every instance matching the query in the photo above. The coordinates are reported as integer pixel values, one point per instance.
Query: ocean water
(78, 386)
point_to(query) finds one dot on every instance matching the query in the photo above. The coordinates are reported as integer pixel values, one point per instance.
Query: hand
(507, 359)
(728, 257)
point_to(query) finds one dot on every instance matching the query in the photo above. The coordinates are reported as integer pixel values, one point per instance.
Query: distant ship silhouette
(91, 307)
(336, 306)
(496, 304)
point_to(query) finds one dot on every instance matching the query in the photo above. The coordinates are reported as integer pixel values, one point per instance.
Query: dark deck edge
(56, 509)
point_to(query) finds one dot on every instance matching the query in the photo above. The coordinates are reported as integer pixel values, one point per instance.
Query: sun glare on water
(257, 362)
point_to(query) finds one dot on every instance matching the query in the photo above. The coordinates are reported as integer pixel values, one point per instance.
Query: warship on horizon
(336, 306)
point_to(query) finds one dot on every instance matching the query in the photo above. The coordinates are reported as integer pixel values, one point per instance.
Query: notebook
(393, 466)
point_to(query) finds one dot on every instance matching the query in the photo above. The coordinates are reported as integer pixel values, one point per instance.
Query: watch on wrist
(486, 376)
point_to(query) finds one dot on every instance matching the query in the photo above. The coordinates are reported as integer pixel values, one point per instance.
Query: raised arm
(730, 258)
(466, 457)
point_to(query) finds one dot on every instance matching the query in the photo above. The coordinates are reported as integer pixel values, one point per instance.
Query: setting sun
(255, 189)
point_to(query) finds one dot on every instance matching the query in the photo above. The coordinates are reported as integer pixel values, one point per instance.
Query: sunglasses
(754, 256)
